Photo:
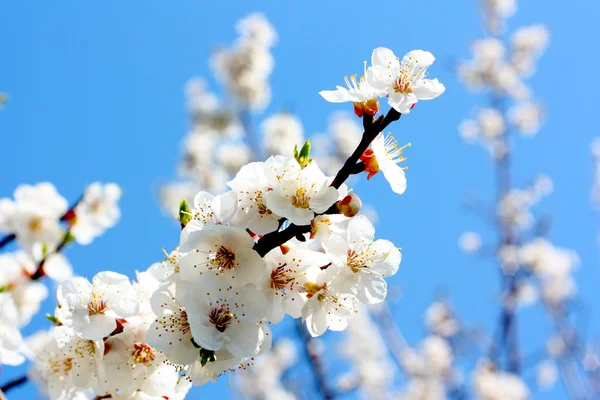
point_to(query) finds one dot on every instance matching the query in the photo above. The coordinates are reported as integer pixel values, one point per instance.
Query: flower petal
(395, 176)
(427, 89)
(340, 95)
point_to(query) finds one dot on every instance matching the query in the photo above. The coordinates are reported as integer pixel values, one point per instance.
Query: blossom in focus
(358, 92)
(363, 262)
(252, 183)
(403, 82)
(224, 318)
(301, 193)
(285, 282)
(324, 309)
(170, 332)
(220, 250)
(385, 155)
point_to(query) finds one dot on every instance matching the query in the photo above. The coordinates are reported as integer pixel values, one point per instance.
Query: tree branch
(316, 363)
(352, 166)
(11, 237)
(13, 384)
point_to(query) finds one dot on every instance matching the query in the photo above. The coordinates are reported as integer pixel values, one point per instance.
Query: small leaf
(185, 214)
(207, 356)
(53, 319)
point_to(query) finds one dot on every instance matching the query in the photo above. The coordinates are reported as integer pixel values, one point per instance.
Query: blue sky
(96, 93)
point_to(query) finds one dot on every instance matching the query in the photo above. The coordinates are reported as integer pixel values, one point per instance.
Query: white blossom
(403, 81)
(92, 309)
(301, 193)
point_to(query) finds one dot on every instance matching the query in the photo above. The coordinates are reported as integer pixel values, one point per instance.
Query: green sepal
(53, 319)
(68, 238)
(207, 356)
(185, 214)
(303, 156)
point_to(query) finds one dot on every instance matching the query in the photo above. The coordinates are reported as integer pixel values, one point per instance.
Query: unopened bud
(185, 214)
(349, 206)
(371, 165)
(70, 217)
(369, 107)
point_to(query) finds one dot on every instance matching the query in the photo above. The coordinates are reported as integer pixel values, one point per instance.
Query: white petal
(324, 199)
(373, 288)
(384, 57)
(427, 89)
(388, 260)
(402, 102)
(423, 59)
(317, 321)
(245, 339)
(341, 95)
(396, 177)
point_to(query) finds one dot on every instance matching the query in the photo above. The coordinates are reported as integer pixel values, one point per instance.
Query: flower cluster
(101, 343)
(501, 68)
(403, 82)
(219, 293)
(206, 309)
(41, 222)
(215, 147)
(494, 384)
(283, 238)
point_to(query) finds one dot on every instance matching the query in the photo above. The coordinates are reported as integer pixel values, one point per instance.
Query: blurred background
(97, 92)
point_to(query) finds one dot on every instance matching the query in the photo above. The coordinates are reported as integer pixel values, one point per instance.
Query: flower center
(177, 321)
(408, 74)
(97, 305)
(143, 353)
(314, 288)
(224, 259)
(403, 83)
(35, 224)
(279, 278)
(355, 261)
(220, 318)
(393, 152)
(300, 199)
(61, 366)
(262, 208)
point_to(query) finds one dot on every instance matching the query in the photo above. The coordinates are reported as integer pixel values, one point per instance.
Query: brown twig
(352, 166)
(13, 384)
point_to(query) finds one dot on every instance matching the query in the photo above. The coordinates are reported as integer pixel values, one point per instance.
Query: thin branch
(7, 239)
(394, 338)
(352, 166)
(13, 384)
(246, 120)
(11, 237)
(316, 363)
(40, 272)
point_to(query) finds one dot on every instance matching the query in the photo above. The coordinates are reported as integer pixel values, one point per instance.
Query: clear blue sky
(96, 93)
